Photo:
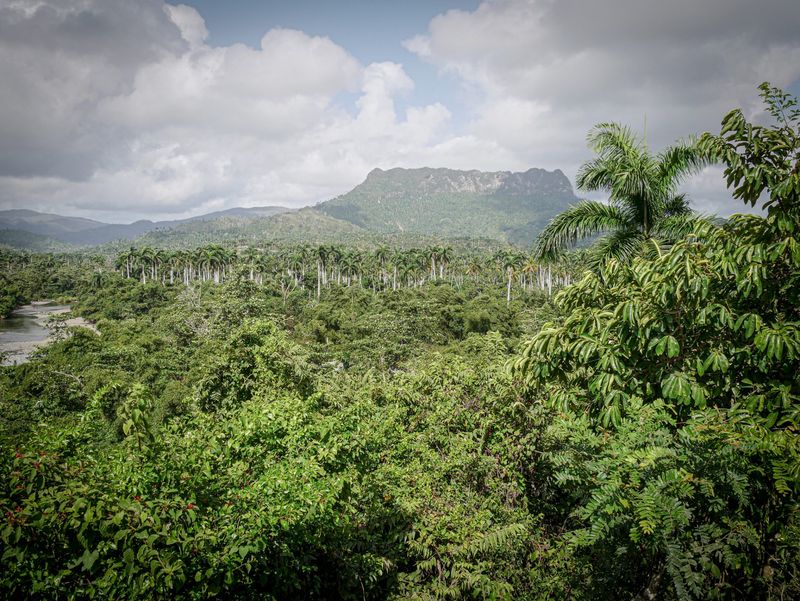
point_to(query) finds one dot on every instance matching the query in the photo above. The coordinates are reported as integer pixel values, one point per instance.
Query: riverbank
(25, 329)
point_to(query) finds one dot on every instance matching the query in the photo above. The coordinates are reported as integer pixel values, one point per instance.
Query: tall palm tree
(145, 261)
(250, 256)
(382, 257)
(321, 255)
(510, 262)
(474, 267)
(530, 268)
(445, 256)
(644, 208)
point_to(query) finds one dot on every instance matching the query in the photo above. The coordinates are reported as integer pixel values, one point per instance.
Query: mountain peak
(508, 205)
(430, 180)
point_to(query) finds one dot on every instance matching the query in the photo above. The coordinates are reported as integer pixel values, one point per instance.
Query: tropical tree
(251, 256)
(510, 262)
(644, 210)
(685, 366)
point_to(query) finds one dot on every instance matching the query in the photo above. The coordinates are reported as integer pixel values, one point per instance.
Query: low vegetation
(339, 422)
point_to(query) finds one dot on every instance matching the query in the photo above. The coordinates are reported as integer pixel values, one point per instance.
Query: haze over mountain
(80, 231)
(501, 206)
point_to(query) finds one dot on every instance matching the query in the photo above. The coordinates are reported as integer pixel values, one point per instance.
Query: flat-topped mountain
(451, 203)
(497, 206)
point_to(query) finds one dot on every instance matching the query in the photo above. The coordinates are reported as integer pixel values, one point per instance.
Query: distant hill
(87, 232)
(304, 225)
(501, 205)
(23, 240)
(46, 224)
(399, 206)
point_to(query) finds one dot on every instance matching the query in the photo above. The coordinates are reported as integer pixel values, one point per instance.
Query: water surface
(24, 330)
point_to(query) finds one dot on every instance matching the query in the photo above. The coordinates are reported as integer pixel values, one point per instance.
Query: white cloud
(122, 110)
(549, 70)
(191, 127)
(191, 24)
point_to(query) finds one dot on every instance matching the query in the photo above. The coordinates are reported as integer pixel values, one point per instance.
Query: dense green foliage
(25, 277)
(303, 422)
(687, 366)
(303, 267)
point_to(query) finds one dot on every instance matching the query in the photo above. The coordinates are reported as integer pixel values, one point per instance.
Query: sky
(126, 109)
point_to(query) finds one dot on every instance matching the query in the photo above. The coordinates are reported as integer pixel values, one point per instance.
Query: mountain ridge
(513, 206)
(505, 206)
(83, 231)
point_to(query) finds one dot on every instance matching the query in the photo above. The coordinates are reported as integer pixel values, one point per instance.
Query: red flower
(137, 498)
(19, 455)
(190, 506)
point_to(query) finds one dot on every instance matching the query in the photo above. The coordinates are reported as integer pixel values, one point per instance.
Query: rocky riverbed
(25, 329)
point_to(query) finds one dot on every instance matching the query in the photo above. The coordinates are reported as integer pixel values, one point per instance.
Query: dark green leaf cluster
(676, 384)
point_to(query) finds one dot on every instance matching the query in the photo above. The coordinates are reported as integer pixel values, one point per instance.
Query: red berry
(137, 498)
(190, 506)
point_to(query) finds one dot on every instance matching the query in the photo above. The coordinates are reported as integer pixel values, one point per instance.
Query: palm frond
(622, 245)
(596, 174)
(679, 161)
(672, 228)
(676, 205)
(614, 138)
(585, 219)
(619, 153)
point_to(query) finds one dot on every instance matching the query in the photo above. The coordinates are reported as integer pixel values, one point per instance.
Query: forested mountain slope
(507, 206)
(87, 232)
(409, 203)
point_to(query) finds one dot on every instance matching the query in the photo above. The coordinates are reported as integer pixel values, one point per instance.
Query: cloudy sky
(124, 109)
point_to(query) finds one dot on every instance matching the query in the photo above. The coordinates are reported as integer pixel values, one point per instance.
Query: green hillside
(402, 207)
(506, 206)
(23, 240)
(305, 225)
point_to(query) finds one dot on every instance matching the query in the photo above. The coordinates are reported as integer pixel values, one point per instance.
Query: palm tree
(382, 257)
(644, 208)
(145, 260)
(510, 262)
(398, 261)
(445, 256)
(530, 267)
(129, 257)
(431, 254)
(321, 255)
(474, 267)
(250, 256)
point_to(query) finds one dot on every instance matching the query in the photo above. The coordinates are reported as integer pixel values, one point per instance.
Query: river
(24, 330)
